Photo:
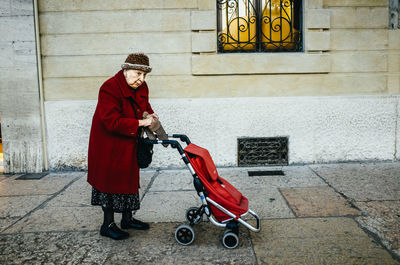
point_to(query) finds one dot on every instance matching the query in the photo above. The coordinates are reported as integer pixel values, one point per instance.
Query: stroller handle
(181, 137)
(173, 143)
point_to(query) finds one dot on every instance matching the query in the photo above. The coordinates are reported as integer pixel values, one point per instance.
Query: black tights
(109, 216)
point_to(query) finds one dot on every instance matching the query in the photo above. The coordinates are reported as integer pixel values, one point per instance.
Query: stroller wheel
(184, 235)
(191, 215)
(230, 239)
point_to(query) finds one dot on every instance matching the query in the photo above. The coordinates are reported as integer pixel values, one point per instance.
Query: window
(259, 25)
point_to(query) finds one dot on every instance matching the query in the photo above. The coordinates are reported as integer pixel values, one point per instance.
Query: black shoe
(113, 231)
(135, 224)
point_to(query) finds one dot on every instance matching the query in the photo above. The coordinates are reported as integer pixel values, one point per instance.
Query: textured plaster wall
(320, 129)
(19, 93)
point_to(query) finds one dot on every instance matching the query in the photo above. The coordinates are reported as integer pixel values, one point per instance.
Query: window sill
(260, 63)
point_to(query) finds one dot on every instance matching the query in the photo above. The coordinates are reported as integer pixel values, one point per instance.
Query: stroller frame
(184, 234)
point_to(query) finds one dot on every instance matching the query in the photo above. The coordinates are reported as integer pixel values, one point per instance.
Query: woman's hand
(146, 122)
(155, 116)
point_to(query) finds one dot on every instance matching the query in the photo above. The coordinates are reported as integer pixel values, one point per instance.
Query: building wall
(19, 93)
(336, 101)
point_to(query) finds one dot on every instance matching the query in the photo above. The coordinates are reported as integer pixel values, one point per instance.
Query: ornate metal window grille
(263, 151)
(259, 25)
(394, 14)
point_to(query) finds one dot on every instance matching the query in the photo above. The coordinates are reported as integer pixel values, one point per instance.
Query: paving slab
(47, 185)
(60, 219)
(317, 202)
(383, 219)
(363, 181)
(173, 180)
(155, 246)
(267, 203)
(167, 206)
(78, 194)
(15, 207)
(146, 177)
(298, 176)
(316, 241)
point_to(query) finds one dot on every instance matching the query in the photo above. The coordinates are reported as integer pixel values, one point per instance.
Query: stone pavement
(314, 214)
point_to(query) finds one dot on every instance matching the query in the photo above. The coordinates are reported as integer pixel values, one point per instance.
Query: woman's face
(134, 78)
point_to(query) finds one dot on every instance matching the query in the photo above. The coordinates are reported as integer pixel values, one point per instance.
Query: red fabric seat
(218, 189)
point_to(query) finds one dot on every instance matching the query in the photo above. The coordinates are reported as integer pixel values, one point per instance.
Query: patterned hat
(137, 61)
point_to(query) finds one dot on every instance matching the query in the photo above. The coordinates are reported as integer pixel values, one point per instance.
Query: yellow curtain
(281, 32)
(239, 32)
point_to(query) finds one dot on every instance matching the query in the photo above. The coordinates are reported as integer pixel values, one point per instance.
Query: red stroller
(221, 202)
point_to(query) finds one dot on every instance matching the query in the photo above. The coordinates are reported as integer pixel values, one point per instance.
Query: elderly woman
(113, 171)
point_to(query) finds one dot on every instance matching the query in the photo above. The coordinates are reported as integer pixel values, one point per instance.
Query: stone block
(22, 8)
(317, 202)
(5, 8)
(360, 62)
(87, 88)
(203, 20)
(318, 19)
(109, 65)
(316, 241)
(397, 154)
(92, 5)
(222, 64)
(83, 88)
(359, 18)
(25, 54)
(23, 127)
(394, 62)
(268, 85)
(315, 4)
(23, 104)
(17, 28)
(394, 39)
(318, 41)
(393, 86)
(206, 4)
(22, 156)
(355, 3)
(112, 22)
(118, 43)
(204, 42)
(356, 40)
(7, 56)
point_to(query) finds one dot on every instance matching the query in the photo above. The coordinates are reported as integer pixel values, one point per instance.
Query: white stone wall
(19, 93)
(320, 129)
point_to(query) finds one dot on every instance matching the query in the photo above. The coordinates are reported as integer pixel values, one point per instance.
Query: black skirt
(118, 202)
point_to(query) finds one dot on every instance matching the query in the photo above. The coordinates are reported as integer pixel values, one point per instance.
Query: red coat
(112, 163)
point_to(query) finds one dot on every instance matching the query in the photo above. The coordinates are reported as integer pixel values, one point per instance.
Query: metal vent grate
(263, 151)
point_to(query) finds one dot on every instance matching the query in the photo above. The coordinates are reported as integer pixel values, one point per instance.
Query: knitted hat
(137, 61)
